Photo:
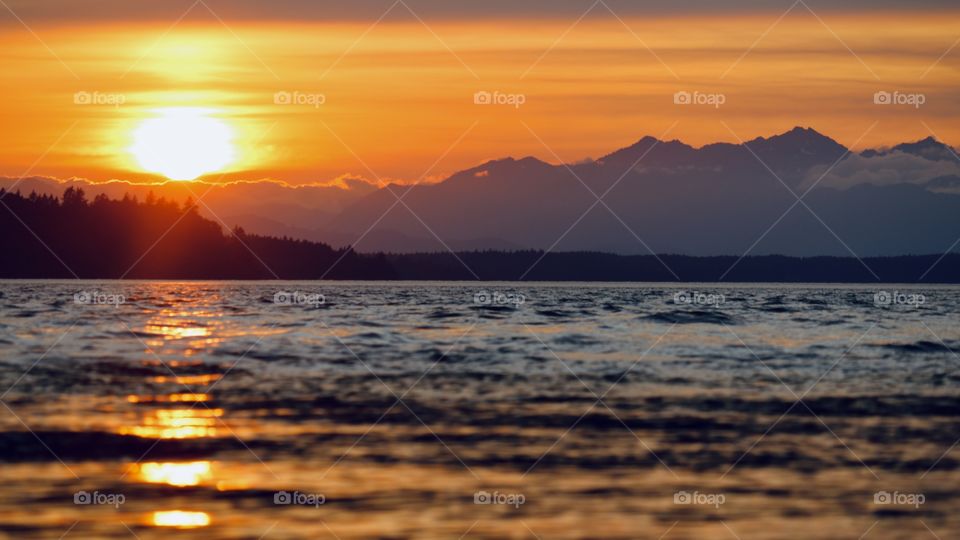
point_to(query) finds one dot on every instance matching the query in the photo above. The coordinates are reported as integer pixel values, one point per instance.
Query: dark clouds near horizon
(90, 11)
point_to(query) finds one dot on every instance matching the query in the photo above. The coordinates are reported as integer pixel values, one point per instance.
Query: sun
(183, 143)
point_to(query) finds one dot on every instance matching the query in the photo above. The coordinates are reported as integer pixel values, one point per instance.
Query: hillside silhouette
(69, 237)
(42, 236)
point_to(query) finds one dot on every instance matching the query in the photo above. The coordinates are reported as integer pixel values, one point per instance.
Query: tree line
(43, 236)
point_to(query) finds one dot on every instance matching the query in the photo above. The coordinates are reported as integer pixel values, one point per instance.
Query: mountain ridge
(724, 190)
(664, 195)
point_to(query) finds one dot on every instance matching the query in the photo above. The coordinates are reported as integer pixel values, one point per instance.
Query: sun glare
(183, 143)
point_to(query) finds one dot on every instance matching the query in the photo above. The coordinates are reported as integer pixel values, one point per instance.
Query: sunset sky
(107, 89)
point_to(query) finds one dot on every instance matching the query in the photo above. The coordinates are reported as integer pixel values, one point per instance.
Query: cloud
(33, 11)
(345, 181)
(883, 170)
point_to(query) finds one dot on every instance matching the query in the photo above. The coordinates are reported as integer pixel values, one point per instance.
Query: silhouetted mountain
(665, 197)
(929, 148)
(793, 153)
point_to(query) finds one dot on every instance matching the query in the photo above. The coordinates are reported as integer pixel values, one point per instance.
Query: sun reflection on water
(169, 331)
(180, 519)
(176, 424)
(191, 473)
(187, 380)
(171, 398)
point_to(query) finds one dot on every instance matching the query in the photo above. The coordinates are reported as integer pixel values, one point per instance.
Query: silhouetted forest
(42, 236)
(46, 237)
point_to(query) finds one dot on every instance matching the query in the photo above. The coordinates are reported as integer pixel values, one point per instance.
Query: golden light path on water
(184, 415)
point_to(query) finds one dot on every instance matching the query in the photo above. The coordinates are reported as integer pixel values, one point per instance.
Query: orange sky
(399, 96)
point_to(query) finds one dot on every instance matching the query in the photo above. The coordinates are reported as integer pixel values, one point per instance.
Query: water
(595, 411)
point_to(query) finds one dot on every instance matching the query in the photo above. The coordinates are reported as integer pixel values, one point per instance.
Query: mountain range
(798, 193)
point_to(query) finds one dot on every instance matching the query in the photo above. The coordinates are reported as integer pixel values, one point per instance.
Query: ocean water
(284, 410)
